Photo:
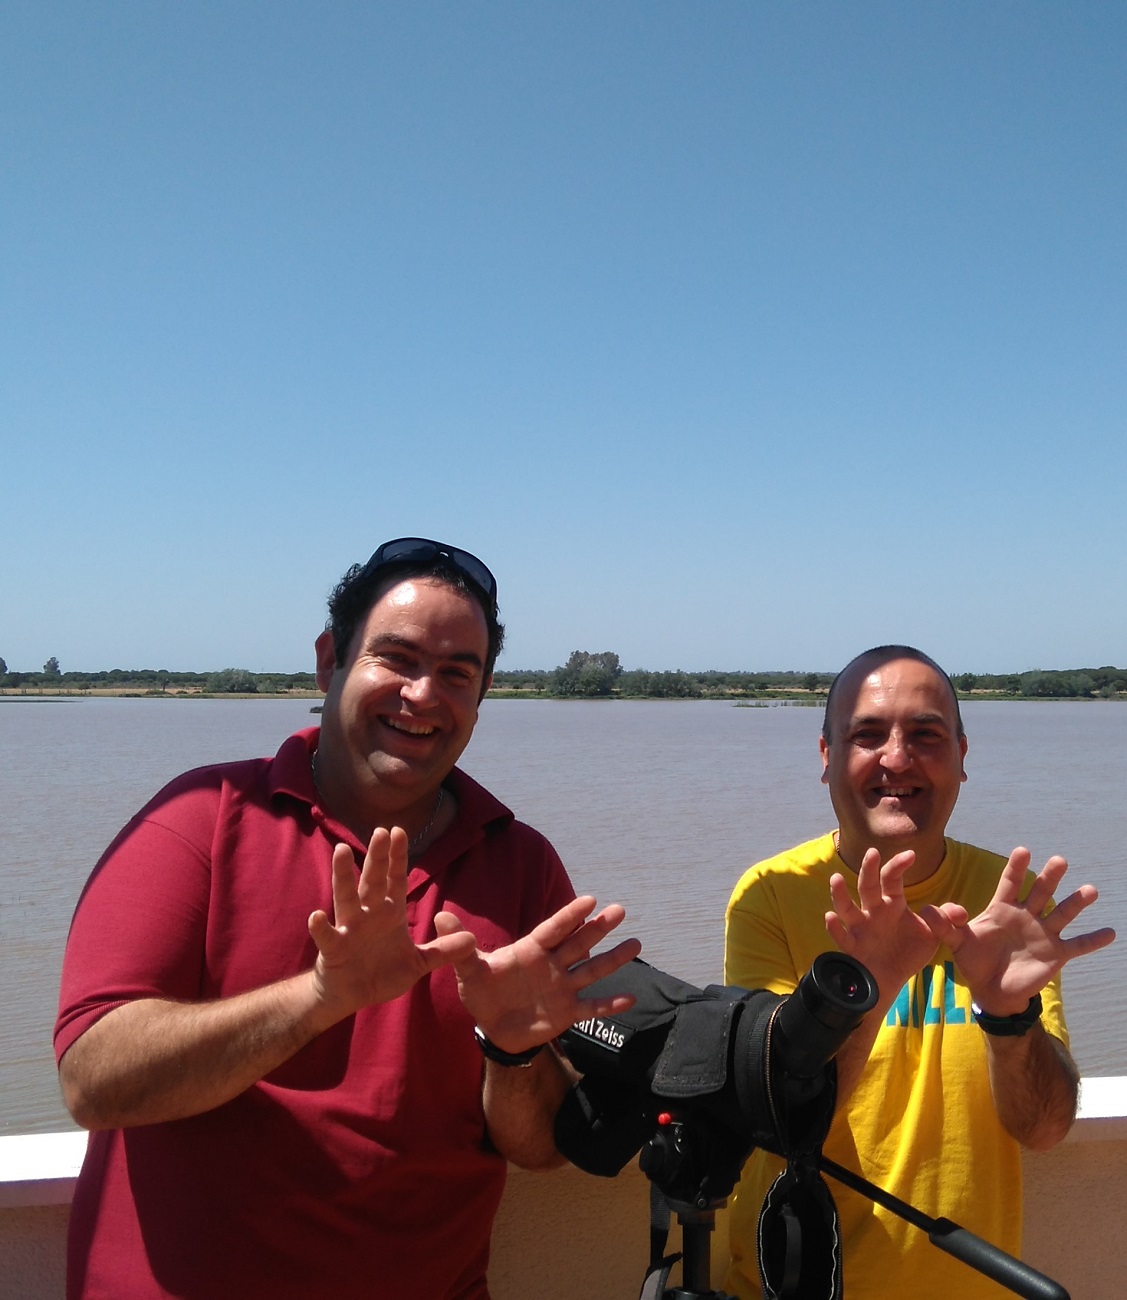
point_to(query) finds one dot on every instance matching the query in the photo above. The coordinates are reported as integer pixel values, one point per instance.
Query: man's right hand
(366, 954)
(880, 930)
(153, 1060)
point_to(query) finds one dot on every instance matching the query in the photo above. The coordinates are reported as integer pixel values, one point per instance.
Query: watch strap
(1008, 1026)
(492, 1052)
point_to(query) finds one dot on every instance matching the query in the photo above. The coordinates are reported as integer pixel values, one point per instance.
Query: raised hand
(880, 930)
(1010, 951)
(365, 955)
(528, 992)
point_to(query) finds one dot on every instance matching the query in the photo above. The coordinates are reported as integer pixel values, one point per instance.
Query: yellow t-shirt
(921, 1123)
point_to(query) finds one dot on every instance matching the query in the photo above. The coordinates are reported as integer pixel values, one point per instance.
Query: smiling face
(894, 762)
(401, 708)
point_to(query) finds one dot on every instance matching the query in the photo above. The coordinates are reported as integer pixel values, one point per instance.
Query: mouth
(896, 791)
(407, 727)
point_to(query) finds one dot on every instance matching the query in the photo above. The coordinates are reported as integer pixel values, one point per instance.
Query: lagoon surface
(658, 805)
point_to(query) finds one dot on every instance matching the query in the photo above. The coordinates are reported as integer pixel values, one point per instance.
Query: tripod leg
(696, 1232)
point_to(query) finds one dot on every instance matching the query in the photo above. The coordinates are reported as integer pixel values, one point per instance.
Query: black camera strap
(798, 1235)
(661, 1265)
(799, 1240)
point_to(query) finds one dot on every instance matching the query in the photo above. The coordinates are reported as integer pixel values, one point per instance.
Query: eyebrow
(389, 640)
(873, 719)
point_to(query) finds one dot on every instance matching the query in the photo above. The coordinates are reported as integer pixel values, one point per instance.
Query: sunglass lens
(405, 550)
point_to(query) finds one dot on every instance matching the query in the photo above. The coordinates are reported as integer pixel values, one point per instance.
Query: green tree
(965, 682)
(232, 681)
(3, 667)
(811, 682)
(51, 667)
(587, 675)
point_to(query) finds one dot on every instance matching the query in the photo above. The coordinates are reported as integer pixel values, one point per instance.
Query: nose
(419, 689)
(895, 754)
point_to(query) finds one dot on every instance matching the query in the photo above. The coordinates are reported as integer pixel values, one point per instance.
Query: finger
(893, 872)
(577, 946)
(447, 923)
(346, 898)
(324, 934)
(1068, 909)
(1083, 944)
(868, 880)
(372, 885)
(551, 933)
(448, 949)
(467, 960)
(605, 963)
(385, 867)
(1046, 884)
(946, 923)
(839, 933)
(608, 1006)
(842, 899)
(1012, 877)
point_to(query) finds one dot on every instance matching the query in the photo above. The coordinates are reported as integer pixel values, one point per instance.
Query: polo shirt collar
(291, 774)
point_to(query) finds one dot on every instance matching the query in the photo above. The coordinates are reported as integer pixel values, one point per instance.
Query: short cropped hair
(883, 654)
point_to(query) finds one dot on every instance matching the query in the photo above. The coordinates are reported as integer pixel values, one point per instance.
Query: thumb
(454, 944)
(946, 922)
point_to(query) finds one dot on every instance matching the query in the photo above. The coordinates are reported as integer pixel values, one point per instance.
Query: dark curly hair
(361, 587)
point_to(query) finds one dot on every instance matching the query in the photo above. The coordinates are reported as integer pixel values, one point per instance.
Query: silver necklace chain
(419, 839)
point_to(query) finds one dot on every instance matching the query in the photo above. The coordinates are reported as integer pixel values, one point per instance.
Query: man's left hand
(1010, 951)
(527, 993)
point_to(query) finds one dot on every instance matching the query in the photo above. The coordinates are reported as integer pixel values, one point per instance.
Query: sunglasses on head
(421, 550)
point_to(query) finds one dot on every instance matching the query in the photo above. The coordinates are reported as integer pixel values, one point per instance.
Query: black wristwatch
(492, 1052)
(1009, 1026)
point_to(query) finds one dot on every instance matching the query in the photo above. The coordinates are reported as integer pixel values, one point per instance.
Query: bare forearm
(853, 1055)
(1035, 1085)
(151, 1061)
(520, 1109)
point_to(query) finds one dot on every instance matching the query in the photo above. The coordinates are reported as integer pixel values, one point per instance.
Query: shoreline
(811, 699)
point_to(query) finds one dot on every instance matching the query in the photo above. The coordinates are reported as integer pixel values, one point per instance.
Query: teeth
(900, 792)
(411, 730)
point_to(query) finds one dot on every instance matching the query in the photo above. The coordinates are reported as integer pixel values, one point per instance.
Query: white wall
(566, 1234)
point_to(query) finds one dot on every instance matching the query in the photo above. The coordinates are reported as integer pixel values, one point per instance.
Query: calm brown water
(659, 806)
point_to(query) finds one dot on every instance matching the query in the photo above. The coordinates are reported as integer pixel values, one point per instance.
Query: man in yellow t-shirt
(964, 1060)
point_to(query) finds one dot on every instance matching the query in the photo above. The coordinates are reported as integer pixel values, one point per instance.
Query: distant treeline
(584, 676)
(158, 681)
(590, 676)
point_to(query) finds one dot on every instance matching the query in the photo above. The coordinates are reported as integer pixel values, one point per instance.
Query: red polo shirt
(356, 1169)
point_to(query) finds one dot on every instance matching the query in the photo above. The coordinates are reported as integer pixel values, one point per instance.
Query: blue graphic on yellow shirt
(929, 998)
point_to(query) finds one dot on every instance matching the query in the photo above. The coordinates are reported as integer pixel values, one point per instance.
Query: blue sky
(730, 335)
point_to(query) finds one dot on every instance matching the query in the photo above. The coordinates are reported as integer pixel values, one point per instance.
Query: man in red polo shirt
(305, 999)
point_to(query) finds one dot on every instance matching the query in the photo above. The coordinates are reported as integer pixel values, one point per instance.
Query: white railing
(564, 1234)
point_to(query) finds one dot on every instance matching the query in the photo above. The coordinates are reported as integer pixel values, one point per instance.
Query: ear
(824, 750)
(963, 756)
(326, 659)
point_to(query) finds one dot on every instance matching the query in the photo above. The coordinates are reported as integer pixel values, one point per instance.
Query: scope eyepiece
(829, 1003)
(837, 991)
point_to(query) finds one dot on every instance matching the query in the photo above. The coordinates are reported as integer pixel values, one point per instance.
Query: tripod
(692, 1171)
(697, 1225)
